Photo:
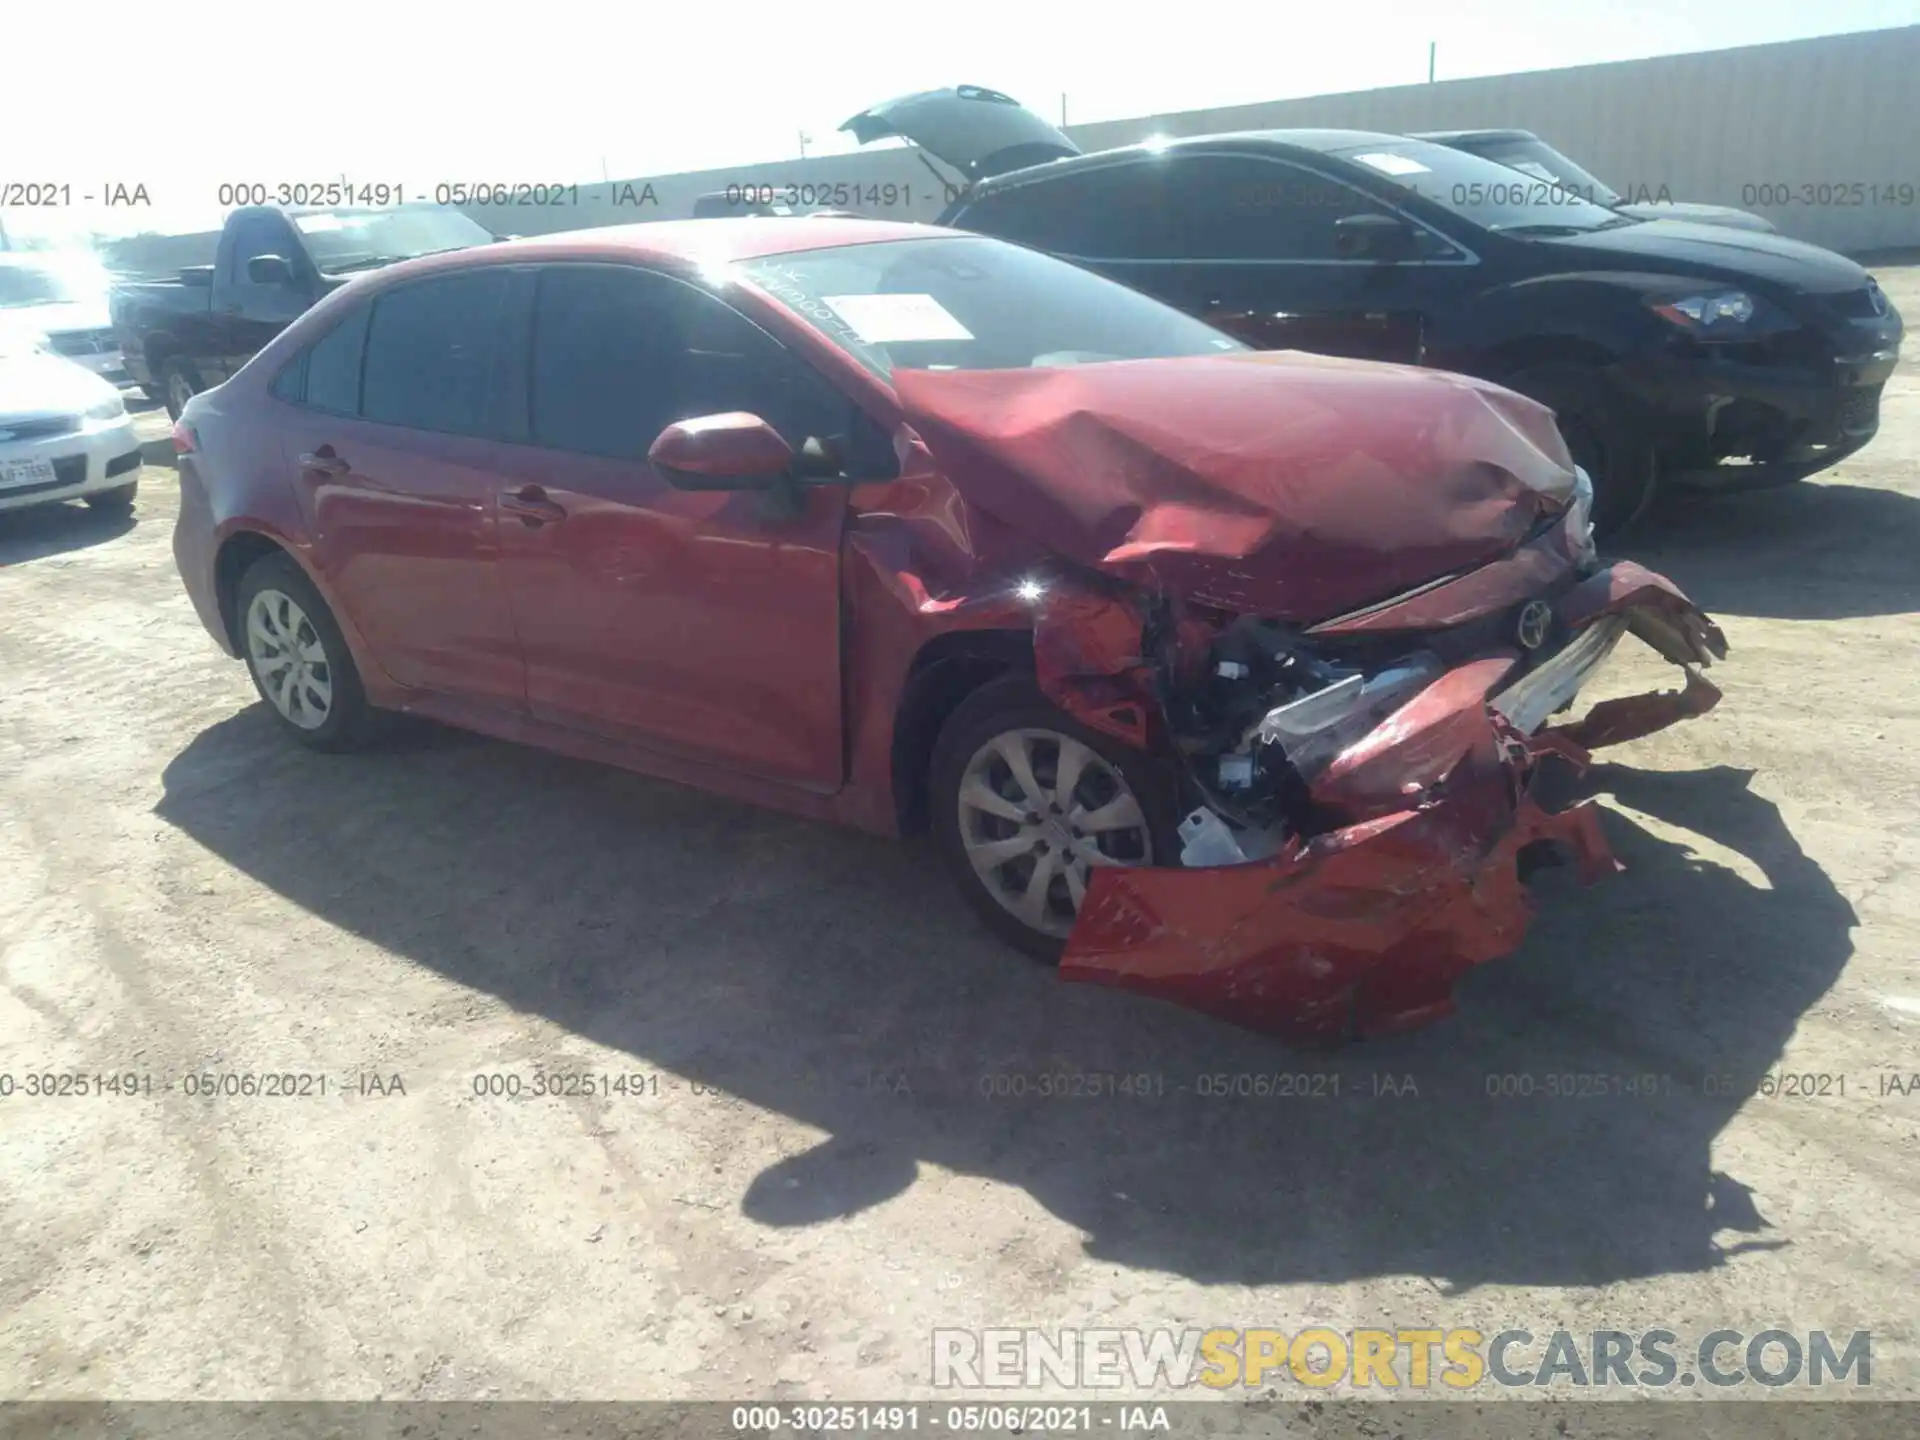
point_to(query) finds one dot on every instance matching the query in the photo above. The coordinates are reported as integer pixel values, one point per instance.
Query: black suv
(1673, 353)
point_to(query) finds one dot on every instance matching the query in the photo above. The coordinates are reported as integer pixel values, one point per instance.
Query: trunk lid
(979, 132)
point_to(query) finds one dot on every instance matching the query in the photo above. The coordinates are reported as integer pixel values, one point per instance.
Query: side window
(291, 383)
(333, 366)
(435, 357)
(1240, 207)
(326, 375)
(620, 353)
(1116, 212)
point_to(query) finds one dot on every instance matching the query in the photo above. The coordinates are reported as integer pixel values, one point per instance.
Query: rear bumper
(195, 545)
(1365, 928)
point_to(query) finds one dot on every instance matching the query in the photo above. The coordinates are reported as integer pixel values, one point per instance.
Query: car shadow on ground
(1818, 550)
(837, 979)
(43, 530)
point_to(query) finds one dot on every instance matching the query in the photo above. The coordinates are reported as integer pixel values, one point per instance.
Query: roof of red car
(745, 238)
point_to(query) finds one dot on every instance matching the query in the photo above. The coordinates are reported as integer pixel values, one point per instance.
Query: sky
(386, 91)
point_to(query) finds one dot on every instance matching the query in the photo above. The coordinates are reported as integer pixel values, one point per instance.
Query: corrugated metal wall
(1725, 127)
(1794, 124)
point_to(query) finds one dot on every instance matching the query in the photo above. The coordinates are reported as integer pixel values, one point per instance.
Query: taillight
(184, 442)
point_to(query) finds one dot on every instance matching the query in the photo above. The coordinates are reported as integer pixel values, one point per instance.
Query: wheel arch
(238, 553)
(945, 671)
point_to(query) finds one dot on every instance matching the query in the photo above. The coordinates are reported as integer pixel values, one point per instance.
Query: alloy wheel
(1039, 811)
(288, 657)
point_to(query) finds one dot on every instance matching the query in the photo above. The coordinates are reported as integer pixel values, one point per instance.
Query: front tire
(117, 501)
(1026, 802)
(1603, 438)
(299, 659)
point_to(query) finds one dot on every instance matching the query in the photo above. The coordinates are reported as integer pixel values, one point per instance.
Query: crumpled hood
(1274, 483)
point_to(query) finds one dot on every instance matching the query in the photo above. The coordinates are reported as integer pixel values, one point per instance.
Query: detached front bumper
(1366, 928)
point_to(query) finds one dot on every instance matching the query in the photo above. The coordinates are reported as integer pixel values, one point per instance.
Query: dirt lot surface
(811, 1170)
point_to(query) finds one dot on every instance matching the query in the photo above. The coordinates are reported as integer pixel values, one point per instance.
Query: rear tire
(299, 659)
(118, 501)
(1616, 452)
(996, 833)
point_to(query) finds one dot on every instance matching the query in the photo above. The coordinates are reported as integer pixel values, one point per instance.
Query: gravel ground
(809, 1173)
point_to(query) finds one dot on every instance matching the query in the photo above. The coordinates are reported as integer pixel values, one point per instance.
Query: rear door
(705, 625)
(248, 314)
(392, 439)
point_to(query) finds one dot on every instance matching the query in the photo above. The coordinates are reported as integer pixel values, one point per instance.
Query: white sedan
(64, 298)
(64, 432)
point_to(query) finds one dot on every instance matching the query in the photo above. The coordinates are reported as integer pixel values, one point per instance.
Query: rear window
(346, 240)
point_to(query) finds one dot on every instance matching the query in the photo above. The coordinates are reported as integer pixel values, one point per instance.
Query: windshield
(1489, 194)
(338, 239)
(1543, 162)
(23, 285)
(969, 303)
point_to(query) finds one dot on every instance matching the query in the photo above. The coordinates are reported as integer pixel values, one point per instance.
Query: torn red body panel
(1365, 928)
(1657, 610)
(1614, 722)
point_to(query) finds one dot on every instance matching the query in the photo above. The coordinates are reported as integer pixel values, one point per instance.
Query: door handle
(531, 504)
(325, 461)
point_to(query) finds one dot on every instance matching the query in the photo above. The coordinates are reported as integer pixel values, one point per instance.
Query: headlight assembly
(109, 409)
(1314, 728)
(1712, 313)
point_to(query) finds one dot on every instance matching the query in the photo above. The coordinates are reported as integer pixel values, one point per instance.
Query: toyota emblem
(1536, 618)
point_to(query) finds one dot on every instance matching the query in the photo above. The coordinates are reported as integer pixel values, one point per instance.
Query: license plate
(25, 472)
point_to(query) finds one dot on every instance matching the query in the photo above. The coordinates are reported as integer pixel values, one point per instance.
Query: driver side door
(250, 313)
(704, 625)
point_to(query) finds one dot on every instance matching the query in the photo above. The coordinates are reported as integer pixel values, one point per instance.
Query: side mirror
(269, 270)
(732, 451)
(1375, 237)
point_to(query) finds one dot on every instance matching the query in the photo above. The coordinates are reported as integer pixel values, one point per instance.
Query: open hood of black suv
(978, 131)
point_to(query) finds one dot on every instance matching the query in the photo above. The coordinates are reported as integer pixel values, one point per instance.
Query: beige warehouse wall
(1836, 111)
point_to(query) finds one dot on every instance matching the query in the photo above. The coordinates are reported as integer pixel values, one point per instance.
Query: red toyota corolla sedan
(1220, 675)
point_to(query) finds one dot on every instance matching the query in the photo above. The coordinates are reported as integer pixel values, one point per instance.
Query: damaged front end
(1359, 790)
(1359, 794)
